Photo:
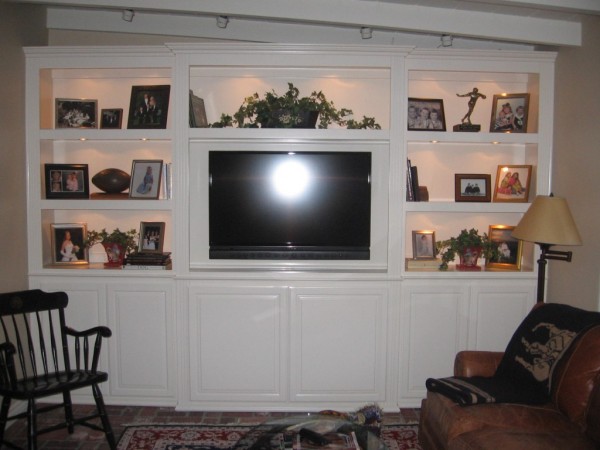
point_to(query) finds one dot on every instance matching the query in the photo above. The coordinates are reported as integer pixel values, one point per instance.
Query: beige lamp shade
(548, 221)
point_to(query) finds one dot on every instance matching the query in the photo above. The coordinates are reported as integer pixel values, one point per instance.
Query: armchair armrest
(470, 363)
(82, 356)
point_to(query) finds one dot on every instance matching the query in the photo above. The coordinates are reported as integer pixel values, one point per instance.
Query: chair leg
(31, 425)
(3, 416)
(110, 437)
(68, 405)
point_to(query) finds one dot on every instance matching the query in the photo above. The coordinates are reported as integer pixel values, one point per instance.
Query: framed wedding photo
(472, 187)
(67, 181)
(76, 113)
(68, 243)
(510, 113)
(512, 183)
(152, 237)
(145, 178)
(149, 107)
(111, 118)
(423, 244)
(426, 114)
(508, 249)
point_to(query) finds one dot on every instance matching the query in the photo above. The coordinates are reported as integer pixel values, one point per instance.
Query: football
(111, 181)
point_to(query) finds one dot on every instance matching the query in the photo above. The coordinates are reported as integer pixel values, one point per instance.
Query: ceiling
(471, 23)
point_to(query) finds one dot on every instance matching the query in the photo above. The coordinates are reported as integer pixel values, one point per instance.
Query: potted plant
(291, 111)
(117, 244)
(469, 246)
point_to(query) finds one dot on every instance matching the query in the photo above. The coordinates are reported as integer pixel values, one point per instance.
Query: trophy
(466, 124)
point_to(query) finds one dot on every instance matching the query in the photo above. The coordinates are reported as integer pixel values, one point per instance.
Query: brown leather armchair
(571, 420)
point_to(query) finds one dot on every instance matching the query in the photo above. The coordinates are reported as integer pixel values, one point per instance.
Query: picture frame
(420, 114)
(67, 181)
(146, 176)
(472, 187)
(152, 237)
(67, 240)
(149, 107)
(512, 183)
(510, 249)
(197, 112)
(423, 242)
(75, 113)
(111, 118)
(510, 113)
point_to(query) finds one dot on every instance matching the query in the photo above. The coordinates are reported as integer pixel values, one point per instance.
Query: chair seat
(55, 383)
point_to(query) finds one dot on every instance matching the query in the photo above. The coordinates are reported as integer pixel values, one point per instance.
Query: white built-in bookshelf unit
(181, 335)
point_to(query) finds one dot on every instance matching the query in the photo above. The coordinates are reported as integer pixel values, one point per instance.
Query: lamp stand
(547, 254)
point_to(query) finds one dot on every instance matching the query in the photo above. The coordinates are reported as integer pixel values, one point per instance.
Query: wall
(576, 167)
(21, 26)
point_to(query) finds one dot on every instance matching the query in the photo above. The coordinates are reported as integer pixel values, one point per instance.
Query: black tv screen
(289, 205)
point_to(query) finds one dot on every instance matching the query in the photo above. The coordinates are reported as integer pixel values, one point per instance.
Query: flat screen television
(289, 205)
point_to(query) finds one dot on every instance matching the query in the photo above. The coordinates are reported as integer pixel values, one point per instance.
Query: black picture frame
(67, 240)
(146, 176)
(416, 120)
(152, 237)
(67, 181)
(75, 113)
(472, 187)
(111, 118)
(149, 107)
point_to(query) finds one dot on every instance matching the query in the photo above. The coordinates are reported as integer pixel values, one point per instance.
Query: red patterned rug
(214, 437)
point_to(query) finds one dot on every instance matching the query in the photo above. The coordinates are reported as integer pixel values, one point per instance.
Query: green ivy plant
(449, 248)
(126, 239)
(288, 110)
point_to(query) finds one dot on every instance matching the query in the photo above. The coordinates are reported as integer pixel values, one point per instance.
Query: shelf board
(428, 137)
(127, 204)
(94, 134)
(466, 207)
(289, 134)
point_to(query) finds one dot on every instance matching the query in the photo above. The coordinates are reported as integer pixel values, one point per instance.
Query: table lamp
(547, 222)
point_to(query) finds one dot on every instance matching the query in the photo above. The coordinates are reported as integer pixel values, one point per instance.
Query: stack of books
(148, 261)
(423, 264)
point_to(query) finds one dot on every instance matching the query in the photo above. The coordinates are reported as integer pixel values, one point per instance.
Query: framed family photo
(471, 187)
(426, 114)
(67, 181)
(152, 237)
(111, 118)
(145, 178)
(512, 183)
(423, 244)
(149, 107)
(76, 113)
(509, 249)
(510, 113)
(68, 243)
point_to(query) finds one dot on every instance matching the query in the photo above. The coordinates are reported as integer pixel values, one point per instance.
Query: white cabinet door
(338, 344)
(237, 336)
(434, 326)
(142, 350)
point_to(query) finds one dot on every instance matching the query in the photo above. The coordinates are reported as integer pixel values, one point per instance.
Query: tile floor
(120, 416)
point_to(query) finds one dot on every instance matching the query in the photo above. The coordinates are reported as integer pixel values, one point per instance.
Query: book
(409, 186)
(420, 264)
(168, 266)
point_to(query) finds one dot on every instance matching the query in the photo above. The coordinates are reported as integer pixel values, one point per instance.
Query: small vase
(115, 254)
(468, 259)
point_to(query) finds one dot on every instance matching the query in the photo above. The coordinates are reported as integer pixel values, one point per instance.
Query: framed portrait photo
(67, 181)
(426, 114)
(111, 118)
(149, 107)
(152, 237)
(509, 113)
(67, 243)
(472, 187)
(76, 113)
(145, 178)
(512, 183)
(423, 244)
(508, 249)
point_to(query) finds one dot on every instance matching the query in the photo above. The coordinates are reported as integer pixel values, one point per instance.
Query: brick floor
(120, 416)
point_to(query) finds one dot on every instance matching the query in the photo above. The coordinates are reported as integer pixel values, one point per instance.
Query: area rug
(223, 437)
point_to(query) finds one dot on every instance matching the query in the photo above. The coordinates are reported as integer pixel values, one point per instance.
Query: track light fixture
(127, 15)
(446, 40)
(222, 21)
(366, 32)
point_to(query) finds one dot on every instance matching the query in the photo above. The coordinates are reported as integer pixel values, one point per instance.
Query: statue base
(467, 127)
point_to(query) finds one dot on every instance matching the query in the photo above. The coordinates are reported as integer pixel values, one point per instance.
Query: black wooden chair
(35, 362)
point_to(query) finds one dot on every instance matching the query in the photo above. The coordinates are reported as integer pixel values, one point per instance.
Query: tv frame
(198, 202)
